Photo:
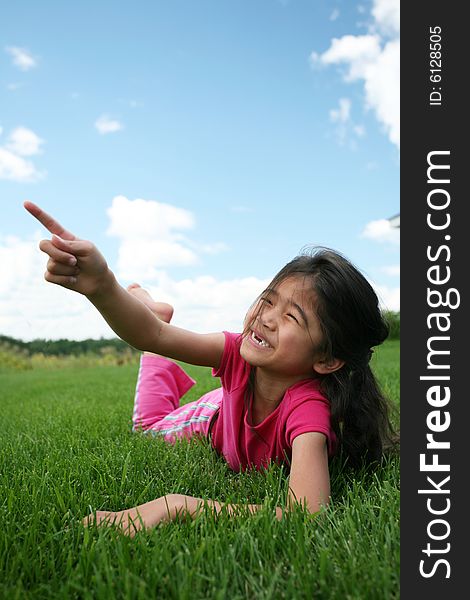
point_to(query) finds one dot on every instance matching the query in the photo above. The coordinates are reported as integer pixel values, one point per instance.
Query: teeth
(259, 341)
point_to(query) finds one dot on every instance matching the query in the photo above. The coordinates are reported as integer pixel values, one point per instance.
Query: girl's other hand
(145, 516)
(73, 263)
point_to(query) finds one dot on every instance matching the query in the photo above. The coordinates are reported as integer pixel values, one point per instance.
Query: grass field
(66, 448)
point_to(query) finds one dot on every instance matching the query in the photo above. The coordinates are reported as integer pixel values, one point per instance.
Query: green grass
(66, 447)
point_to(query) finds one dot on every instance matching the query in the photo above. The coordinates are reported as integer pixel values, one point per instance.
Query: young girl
(296, 383)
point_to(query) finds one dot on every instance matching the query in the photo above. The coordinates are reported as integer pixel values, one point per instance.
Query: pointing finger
(49, 222)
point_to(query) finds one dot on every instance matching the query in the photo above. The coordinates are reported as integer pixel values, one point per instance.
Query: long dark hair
(352, 323)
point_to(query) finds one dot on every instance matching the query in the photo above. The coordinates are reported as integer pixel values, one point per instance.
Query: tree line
(65, 347)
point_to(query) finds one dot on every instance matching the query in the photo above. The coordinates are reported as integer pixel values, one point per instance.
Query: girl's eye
(293, 317)
(266, 301)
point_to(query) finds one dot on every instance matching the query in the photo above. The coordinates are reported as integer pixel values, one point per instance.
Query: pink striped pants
(160, 385)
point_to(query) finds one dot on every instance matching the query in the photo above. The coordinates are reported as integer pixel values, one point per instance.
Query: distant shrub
(65, 347)
(12, 358)
(22, 356)
(393, 320)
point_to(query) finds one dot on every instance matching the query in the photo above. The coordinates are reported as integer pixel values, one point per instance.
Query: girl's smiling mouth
(257, 340)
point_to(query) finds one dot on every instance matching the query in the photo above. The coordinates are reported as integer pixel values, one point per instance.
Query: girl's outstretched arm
(309, 480)
(309, 485)
(78, 265)
(162, 510)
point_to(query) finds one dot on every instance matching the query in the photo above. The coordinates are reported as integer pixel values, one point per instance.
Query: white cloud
(24, 142)
(381, 231)
(387, 15)
(146, 219)
(382, 86)
(373, 58)
(358, 52)
(205, 304)
(389, 297)
(341, 114)
(22, 58)
(16, 168)
(346, 129)
(105, 124)
(151, 237)
(31, 308)
(141, 259)
(13, 166)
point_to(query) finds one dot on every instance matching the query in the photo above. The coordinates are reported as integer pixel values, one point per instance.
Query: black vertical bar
(434, 259)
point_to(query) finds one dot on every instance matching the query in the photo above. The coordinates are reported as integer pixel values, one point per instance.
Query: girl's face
(282, 331)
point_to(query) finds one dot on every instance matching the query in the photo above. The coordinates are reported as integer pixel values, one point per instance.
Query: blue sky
(200, 144)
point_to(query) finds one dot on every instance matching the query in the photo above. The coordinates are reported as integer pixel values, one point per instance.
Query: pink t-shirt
(302, 409)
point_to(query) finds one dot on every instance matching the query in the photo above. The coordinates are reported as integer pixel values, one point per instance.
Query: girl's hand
(145, 516)
(73, 263)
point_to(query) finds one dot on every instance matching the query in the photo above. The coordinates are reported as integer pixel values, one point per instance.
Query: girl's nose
(267, 318)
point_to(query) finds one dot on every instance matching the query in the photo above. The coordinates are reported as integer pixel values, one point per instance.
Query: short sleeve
(232, 369)
(310, 415)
